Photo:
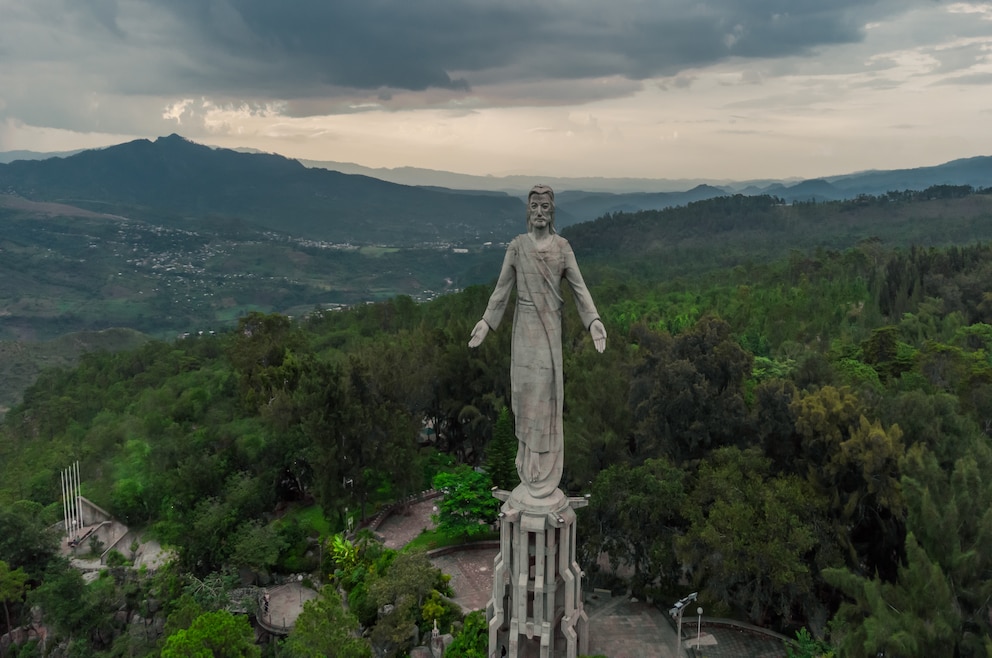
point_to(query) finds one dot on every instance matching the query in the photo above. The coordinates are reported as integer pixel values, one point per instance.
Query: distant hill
(516, 185)
(815, 189)
(727, 231)
(10, 156)
(331, 200)
(21, 361)
(976, 172)
(585, 199)
(174, 175)
(587, 206)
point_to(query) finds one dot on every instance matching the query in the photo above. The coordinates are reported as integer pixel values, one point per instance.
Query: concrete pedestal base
(536, 607)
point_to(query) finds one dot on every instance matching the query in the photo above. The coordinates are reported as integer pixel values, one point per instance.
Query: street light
(677, 611)
(699, 626)
(299, 580)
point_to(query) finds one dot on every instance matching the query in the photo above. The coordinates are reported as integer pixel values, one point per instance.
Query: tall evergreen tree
(915, 617)
(502, 451)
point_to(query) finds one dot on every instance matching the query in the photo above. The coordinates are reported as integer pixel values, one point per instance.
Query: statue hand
(479, 333)
(598, 333)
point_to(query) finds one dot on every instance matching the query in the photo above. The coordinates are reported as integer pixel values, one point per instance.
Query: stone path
(400, 528)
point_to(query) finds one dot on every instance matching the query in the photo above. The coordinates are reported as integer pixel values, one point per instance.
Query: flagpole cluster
(72, 506)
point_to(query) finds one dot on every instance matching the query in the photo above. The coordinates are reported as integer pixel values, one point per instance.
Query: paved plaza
(619, 627)
(623, 628)
(471, 574)
(723, 641)
(285, 603)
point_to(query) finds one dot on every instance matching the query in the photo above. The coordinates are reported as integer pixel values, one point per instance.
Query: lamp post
(699, 626)
(676, 612)
(299, 582)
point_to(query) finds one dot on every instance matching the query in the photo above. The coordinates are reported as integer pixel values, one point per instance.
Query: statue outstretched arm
(583, 300)
(498, 300)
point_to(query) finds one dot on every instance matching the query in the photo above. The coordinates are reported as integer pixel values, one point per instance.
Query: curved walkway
(471, 571)
(403, 525)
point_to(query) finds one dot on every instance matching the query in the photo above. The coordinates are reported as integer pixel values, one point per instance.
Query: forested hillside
(22, 360)
(802, 436)
(175, 182)
(739, 230)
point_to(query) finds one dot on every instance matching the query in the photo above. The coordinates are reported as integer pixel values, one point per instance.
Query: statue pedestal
(536, 607)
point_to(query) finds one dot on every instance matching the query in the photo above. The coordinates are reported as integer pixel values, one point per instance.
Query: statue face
(539, 211)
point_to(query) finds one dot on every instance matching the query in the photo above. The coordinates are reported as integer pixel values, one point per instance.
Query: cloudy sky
(717, 89)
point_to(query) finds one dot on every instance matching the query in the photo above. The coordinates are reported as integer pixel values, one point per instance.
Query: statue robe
(537, 389)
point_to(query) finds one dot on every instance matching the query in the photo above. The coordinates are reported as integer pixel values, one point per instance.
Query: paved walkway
(401, 527)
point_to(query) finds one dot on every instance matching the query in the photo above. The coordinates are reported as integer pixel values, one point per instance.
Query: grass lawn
(311, 517)
(431, 539)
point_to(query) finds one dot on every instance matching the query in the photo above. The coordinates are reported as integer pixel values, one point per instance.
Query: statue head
(541, 202)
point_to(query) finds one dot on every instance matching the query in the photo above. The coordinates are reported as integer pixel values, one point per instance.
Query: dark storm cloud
(90, 64)
(306, 47)
(960, 57)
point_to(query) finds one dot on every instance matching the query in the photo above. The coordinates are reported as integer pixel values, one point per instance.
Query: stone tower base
(536, 607)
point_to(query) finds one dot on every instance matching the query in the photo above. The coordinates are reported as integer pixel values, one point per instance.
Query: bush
(116, 559)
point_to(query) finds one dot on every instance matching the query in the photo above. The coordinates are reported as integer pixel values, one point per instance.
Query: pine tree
(501, 453)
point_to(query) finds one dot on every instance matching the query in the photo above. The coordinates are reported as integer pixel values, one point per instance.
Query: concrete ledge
(374, 522)
(738, 626)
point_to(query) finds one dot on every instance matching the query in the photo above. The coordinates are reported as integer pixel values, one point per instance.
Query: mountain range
(585, 199)
(175, 180)
(342, 202)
